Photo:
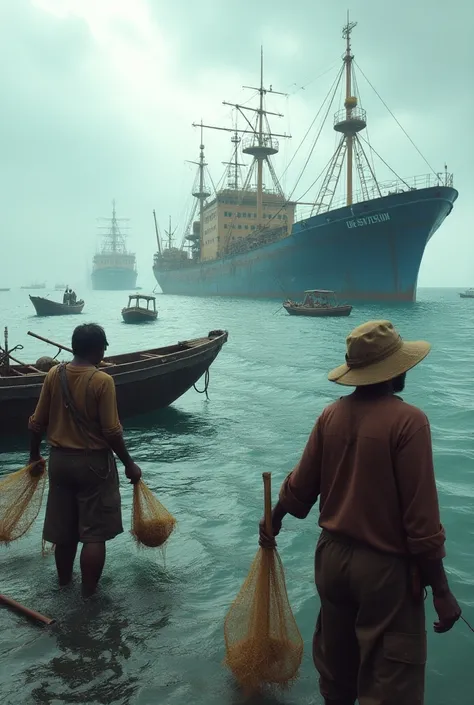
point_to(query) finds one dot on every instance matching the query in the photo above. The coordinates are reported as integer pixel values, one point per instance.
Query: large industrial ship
(245, 239)
(114, 268)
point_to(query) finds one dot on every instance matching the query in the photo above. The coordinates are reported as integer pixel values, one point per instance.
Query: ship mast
(349, 122)
(169, 233)
(233, 180)
(258, 142)
(200, 190)
(158, 239)
(353, 120)
(260, 145)
(115, 239)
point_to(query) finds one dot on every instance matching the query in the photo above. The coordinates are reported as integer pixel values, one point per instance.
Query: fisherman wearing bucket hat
(369, 461)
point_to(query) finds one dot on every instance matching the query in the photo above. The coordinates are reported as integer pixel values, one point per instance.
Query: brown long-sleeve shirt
(370, 462)
(93, 393)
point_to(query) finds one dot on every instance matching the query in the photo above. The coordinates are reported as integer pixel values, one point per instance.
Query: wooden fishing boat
(145, 380)
(47, 307)
(134, 313)
(468, 294)
(318, 303)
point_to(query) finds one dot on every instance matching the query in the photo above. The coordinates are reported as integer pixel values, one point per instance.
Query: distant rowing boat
(47, 307)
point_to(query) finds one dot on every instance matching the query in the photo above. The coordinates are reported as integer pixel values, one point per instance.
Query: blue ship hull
(369, 251)
(113, 279)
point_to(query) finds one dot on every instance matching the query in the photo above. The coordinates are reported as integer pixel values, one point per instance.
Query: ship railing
(385, 188)
(266, 141)
(355, 114)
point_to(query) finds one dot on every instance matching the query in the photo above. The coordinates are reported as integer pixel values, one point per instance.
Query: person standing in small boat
(369, 461)
(78, 409)
(66, 296)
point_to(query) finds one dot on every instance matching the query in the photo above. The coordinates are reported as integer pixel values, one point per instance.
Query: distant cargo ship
(248, 242)
(35, 285)
(114, 268)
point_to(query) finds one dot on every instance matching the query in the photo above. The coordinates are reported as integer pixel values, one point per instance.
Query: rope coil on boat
(206, 385)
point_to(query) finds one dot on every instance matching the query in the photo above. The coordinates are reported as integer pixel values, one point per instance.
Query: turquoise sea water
(154, 634)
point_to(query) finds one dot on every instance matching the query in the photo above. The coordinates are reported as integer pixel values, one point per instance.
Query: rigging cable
(397, 121)
(383, 160)
(338, 78)
(334, 83)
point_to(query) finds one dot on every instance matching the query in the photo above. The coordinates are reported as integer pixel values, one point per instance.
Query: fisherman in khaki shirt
(78, 408)
(369, 461)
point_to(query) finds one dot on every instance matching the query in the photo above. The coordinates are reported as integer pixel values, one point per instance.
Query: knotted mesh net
(152, 523)
(21, 495)
(263, 643)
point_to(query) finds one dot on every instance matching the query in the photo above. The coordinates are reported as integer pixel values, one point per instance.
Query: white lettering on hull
(368, 220)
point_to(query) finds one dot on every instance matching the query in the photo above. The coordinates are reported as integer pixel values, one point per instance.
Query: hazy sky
(98, 99)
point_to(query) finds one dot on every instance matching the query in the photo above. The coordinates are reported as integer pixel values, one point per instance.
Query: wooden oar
(103, 363)
(51, 342)
(26, 610)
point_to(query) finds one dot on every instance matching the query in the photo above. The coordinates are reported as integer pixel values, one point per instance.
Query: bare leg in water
(92, 564)
(64, 555)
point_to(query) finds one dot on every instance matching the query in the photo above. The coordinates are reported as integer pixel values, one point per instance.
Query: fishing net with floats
(263, 643)
(152, 523)
(21, 495)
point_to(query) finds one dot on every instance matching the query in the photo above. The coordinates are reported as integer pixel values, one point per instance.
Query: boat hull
(134, 315)
(316, 311)
(370, 251)
(466, 296)
(46, 307)
(113, 279)
(143, 384)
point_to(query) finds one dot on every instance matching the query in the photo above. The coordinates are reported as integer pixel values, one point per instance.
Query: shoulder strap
(80, 419)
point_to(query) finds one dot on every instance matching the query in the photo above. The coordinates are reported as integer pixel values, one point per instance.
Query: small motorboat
(468, 294)
(318, 303)
(47, 307)
(135, 313)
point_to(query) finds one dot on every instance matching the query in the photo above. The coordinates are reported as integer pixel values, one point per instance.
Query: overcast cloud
(98, 97)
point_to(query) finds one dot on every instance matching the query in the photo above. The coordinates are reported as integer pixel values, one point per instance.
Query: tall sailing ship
(247, 240)
(114, 268)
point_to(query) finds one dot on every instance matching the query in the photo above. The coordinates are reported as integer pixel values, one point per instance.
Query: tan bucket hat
(377, 353)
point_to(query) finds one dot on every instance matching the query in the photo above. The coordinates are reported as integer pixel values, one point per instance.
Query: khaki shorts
(84, 497)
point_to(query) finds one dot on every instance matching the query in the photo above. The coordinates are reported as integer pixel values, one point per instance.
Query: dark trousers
(370, 639)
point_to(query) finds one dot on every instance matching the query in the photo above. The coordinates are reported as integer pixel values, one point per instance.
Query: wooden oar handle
(50, 342)
(267, 493)
(25, 610)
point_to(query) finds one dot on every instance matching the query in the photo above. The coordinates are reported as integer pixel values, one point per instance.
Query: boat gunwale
(162, 363)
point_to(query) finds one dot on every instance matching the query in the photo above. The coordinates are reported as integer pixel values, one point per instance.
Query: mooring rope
(206, 385)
